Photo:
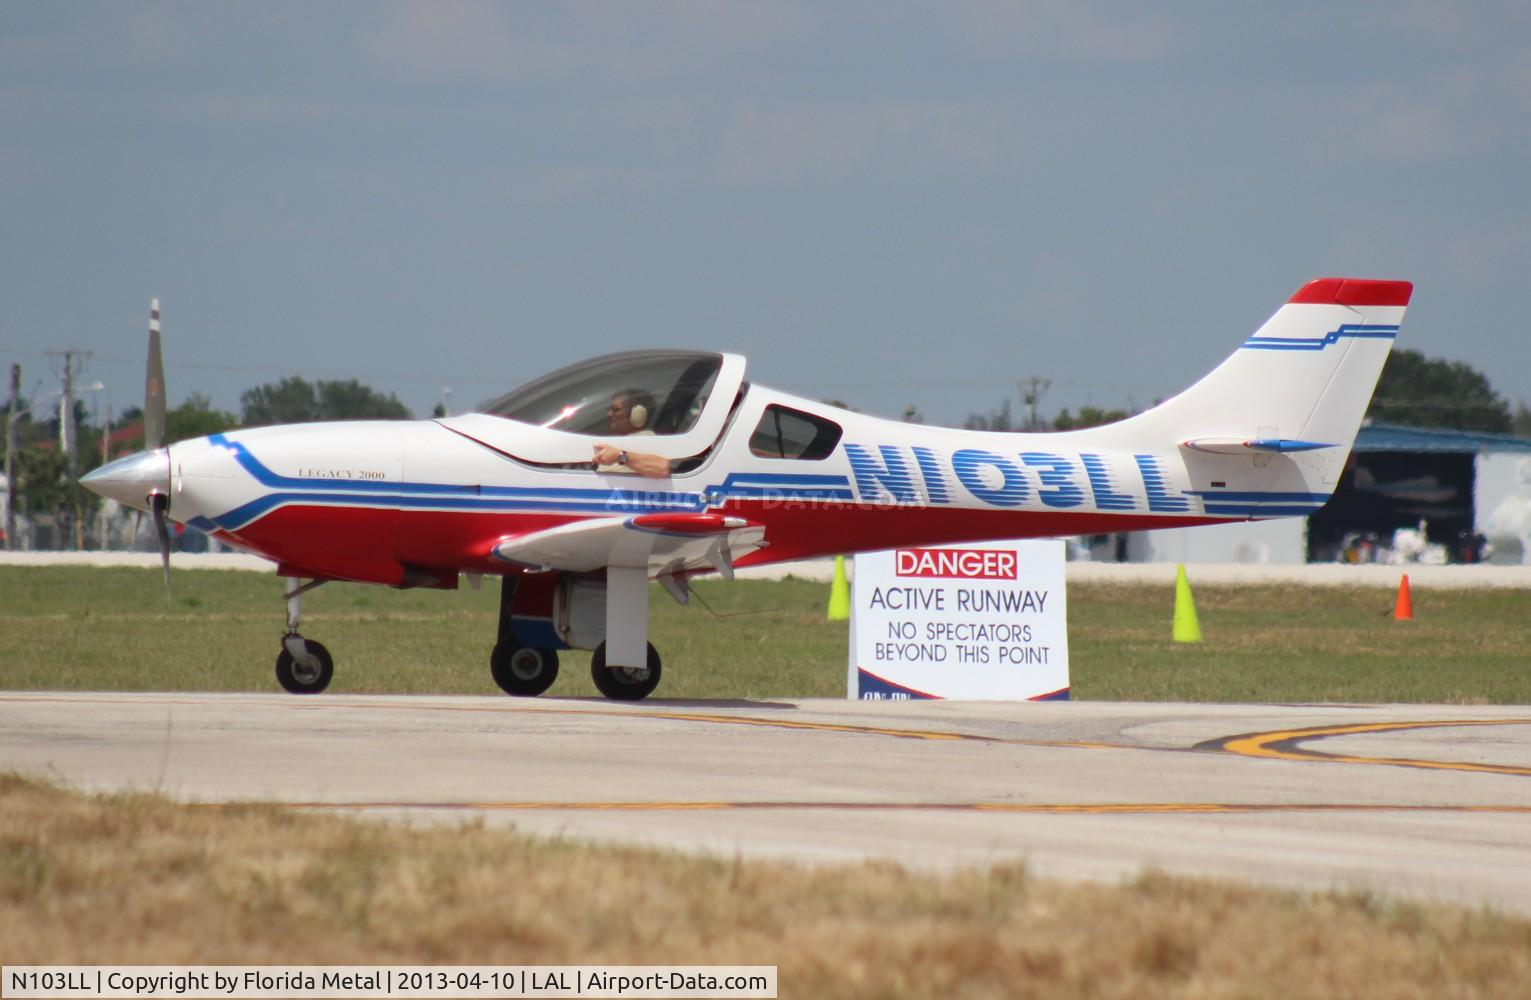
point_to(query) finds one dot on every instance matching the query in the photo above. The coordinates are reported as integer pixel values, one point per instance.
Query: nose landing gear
(306, 671)
(303, 666)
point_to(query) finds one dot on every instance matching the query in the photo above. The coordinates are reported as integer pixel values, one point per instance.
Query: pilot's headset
(639, 408)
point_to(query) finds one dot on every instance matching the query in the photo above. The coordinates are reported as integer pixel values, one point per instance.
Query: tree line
(293, 400)
(1414, 390)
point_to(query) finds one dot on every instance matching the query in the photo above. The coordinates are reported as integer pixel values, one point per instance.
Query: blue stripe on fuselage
(1159, 498)
(507, 499)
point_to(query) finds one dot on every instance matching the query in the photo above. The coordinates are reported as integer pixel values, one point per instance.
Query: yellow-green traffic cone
(839, 594)
(1187, 628)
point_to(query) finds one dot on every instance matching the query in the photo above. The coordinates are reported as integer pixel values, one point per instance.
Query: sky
(888, 204)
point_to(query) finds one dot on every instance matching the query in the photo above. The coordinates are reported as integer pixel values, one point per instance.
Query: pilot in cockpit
(629, 415)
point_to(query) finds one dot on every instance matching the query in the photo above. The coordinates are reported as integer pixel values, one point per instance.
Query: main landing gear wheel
(307, 673)
(523, 671)
(625, 683)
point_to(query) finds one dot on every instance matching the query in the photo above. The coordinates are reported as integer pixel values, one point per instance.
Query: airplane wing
(664, 543)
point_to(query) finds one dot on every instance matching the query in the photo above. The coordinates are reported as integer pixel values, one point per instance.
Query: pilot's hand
(610, 457)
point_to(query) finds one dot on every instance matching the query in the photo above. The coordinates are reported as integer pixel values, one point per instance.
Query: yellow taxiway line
(1284, 745)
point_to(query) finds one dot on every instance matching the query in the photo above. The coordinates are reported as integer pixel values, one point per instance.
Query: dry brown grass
(138, 879)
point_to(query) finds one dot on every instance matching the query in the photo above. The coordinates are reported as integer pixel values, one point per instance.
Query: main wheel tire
(309, 675)
(625, 683)
(523, 671)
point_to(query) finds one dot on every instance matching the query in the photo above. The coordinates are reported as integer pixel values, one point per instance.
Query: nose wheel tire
(308, 673)
(523, 671)
(625, 683)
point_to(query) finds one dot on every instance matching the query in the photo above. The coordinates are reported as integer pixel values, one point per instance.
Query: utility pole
(10, 463)
(74, 360)
(1032, 390)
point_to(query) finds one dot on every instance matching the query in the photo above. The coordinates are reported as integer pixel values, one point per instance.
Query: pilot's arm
(610, 458)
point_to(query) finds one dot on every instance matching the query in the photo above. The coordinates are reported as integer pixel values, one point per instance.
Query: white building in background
(1508, 525)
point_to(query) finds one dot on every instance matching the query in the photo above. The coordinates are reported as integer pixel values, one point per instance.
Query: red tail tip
(1354, 292)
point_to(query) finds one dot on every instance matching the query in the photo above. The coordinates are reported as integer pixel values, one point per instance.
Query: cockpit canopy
(557, 418)
(575, 399)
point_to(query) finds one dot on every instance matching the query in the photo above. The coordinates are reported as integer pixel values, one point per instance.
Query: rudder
(1301, 383)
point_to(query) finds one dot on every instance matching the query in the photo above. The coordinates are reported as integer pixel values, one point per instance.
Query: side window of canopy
(576, 398)
(786, 433)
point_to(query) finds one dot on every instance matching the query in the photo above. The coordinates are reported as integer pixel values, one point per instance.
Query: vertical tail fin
(1301, 383)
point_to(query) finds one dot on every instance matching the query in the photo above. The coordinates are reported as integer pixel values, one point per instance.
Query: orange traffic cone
(1403, 608)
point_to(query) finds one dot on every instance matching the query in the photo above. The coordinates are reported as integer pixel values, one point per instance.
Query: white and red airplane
(735, 475)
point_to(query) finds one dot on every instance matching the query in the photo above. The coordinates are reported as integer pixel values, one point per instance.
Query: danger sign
(976, 621)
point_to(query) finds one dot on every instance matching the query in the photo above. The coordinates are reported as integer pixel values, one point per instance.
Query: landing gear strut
(303, 666)
(633, 673)
(542, 613)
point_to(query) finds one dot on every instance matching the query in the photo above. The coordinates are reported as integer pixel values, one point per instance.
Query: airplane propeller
(158, 503)
(154, 438)
(154, 385)
(142, 480)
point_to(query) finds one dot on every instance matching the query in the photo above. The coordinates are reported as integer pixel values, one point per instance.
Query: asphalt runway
(1416, 801)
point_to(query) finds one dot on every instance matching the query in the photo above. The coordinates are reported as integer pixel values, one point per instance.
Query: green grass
(75, 628)
(1295, 644)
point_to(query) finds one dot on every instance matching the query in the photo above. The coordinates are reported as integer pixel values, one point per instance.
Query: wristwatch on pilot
(622, 458)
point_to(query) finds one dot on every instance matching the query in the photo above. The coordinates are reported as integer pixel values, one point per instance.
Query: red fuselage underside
(375, 545)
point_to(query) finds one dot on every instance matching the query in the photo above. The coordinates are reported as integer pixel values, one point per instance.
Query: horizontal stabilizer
(1245, 446)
